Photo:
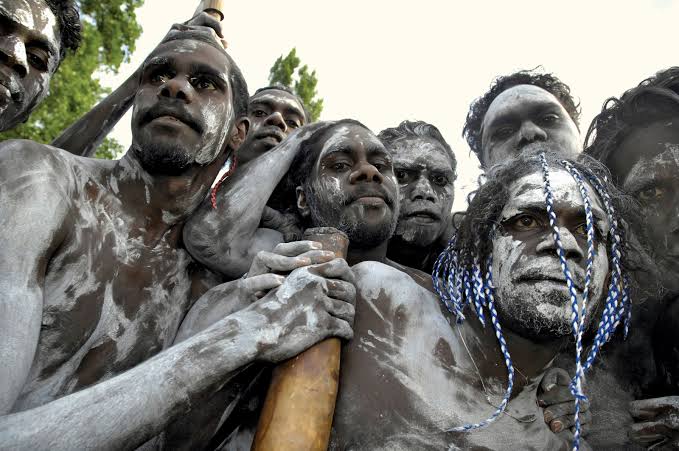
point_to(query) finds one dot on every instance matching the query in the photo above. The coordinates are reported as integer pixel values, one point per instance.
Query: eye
(340, 166)
(504, 132)
(549, 119)
(524, 223)
(291, 123)
(652, 194)
(160, 76)
(38, 59)
(202, 83)
(403, 175)
(440, 180)
(581, 229)
(259, 113)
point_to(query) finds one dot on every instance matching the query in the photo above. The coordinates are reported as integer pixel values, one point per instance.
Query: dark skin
(425, 175)
(647, 168)
(272, 114)
(407, 355)
(523, 115)
(29, 56)
(104, 283)
(87, 133)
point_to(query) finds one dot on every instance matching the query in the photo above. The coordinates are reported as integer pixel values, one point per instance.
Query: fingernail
(280, 279)
(305, 261)
(550, 387)
(549, 416)
(316, 245)
(328, 254)
(557, 426)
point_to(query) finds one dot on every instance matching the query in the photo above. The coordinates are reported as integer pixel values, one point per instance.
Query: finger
(568, 421)
(339, 309)
(339, 289)
(318, 257)
(334, 269)
(272, 218)
(554, 377)
(557, 395)
(565, 408)
(340, 328)
(648, 409)
(649, 432)
(296, 248)
(268, 261)
(206, 20)
(263, 282)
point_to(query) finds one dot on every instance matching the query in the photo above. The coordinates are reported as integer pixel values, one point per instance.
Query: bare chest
(112, 300)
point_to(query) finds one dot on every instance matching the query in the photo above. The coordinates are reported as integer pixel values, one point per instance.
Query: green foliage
(109, 33)
(304, 84)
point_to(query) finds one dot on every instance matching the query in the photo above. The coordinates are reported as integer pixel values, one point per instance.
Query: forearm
(86, 134)
(129, 409)
(225, 238)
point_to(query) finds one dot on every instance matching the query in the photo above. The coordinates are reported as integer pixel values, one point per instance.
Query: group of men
(146, 300)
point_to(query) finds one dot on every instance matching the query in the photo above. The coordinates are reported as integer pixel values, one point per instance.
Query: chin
(163, 158)
(538, 314)
(422, 236)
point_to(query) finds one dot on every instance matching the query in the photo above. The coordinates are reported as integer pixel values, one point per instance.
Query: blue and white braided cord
(577, 319)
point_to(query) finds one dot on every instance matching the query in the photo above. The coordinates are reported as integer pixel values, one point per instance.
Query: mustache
(542, 270)
(419, 208)
(372, 191)
(176, 111)
(267, 131)
(10, 82)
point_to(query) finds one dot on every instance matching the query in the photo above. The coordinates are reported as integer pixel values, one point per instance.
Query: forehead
(189, 51)
(656, 141)
(35, 16)
(420, 150)
(529, 190)
(350, 136)
(277, 99)
(519, 99)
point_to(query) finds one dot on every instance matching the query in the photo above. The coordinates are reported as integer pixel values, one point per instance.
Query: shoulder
(374, 278)
(22, 158)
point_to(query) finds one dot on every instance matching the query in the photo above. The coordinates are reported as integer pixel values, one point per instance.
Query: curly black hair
(654, 99)
(279, 87)
(416, 129)
(476, 227)
(479, 107)
(70, 28)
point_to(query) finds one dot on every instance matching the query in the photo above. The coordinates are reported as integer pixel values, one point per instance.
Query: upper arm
(32, 211)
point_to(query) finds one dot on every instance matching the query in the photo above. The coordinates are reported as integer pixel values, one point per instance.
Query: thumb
(263, 282)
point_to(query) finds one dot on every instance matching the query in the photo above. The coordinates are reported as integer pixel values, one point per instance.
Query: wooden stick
(214, 8)
(300, 404)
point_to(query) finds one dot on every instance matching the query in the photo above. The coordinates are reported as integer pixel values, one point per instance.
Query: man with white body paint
(637, 138)
(521, 109)
(96, 283)
(410, 372)
(424, 165)
(34, 37)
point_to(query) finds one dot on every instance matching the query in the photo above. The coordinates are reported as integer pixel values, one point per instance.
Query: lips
(538, 275)
(274, 133)
(373, 196)
(425, 215)
(159, 111)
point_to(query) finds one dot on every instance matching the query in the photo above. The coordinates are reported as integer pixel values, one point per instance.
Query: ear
(302, 205)
(239, 132)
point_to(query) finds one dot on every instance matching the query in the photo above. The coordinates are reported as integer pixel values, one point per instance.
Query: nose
(177, 88)
(569, 243)
(422, 190)
(366, 172)
(13, 54)
(530, 133)
(276, 119)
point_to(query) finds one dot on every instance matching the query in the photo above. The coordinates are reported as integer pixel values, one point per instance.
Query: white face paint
(531, 291)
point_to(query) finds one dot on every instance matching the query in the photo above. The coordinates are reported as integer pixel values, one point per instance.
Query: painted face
(522, 115)
(648, 169)
(29, 55)
(531, 292)
(273, 114)
(180, 109)
(352, 186)
(424, 171)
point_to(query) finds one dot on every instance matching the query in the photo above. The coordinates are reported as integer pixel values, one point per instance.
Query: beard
(163, 158)
(361, 234)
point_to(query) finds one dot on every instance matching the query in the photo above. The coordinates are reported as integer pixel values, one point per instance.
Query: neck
(530, 358)
(357, 255)
(162, 201)
(408, 253)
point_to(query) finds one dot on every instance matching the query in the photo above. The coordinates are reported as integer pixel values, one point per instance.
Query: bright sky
(385, 61)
